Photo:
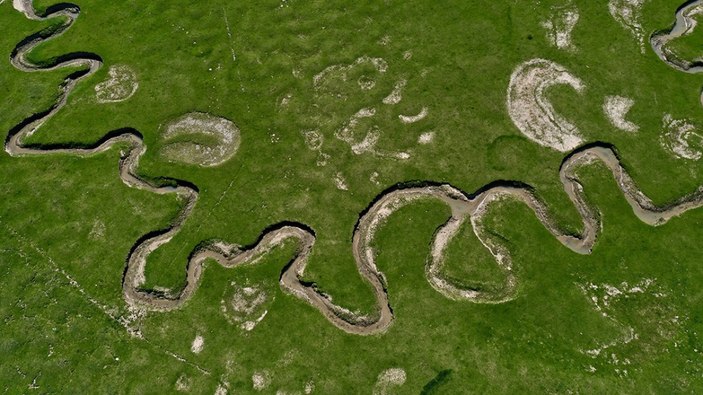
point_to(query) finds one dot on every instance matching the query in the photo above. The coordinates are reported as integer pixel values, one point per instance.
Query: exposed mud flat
(530, 110)
(120, 85)
(219, 137)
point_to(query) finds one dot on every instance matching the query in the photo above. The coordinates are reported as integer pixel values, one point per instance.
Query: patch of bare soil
(414, 118)
(245, 305)
(396, 94)
(197, 346)
(616, 109)
(426, 138)
(221, 141)
(309, 387)
(97, 232)
(680, 139)
(560, 26)
(530, 110)
(629, 14)
(120, 85)
(183, 383)
(341, 71)
(394, 377)
(261, 380)
(644, 315)
(358, 130)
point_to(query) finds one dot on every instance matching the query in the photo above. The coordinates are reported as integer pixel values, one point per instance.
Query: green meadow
(626, 319)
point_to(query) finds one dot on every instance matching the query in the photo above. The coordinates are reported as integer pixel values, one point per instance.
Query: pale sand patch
(678, 136)
(426, 138)
(120, 85)
(197, 345)
(260, 380)
(394, 377)
(628, 13)
(560, 26)
(206, 154)
(414, 118)
(250, 325)
(615, 109)
(530, 111)
(407, 55)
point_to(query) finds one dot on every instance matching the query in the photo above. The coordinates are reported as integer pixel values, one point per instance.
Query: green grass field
(67, 224)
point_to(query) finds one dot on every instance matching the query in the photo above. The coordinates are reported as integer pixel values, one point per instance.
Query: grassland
(65, 216)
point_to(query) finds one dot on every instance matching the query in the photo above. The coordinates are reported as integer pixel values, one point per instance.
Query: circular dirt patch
(120, 85)
(200, 139)
(245, 306)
